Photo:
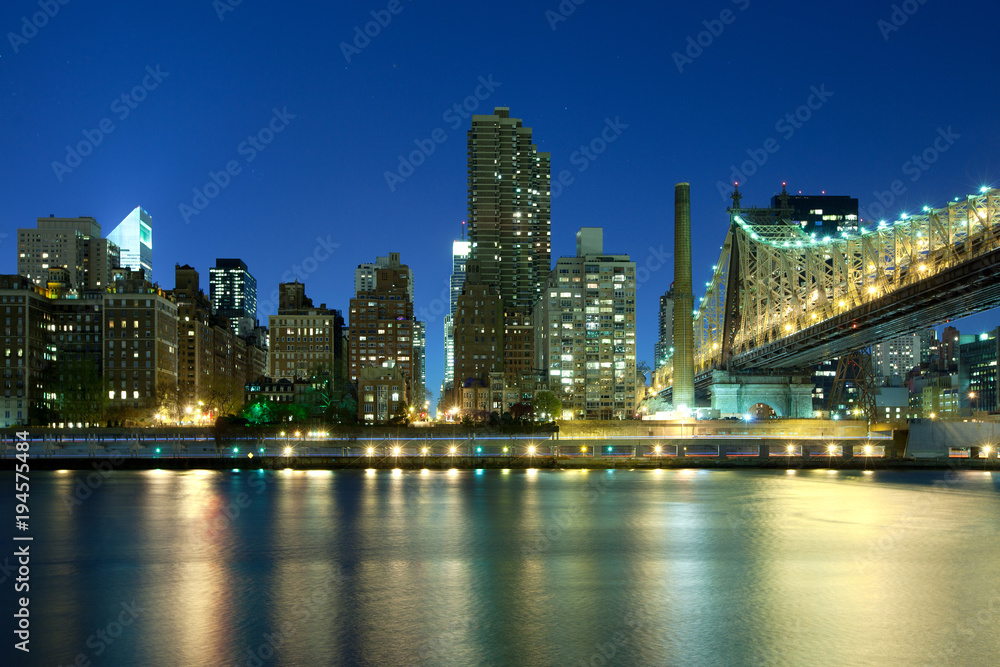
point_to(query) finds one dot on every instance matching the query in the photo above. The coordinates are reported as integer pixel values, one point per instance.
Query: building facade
(585, 332)
(233, 292)
(509, 204)
(663, 349)
(74, 244)
(459, 256)
(479, 341)
(381, 336)
(304, 339)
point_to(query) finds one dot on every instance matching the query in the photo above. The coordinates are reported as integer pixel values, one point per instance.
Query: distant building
(459, 256)
(663, 350)
(823, 215)
(896, 357)
(585, 331)
(234, 294)
(73, 244)
(977, 372)
(134, 238)
(382, 332)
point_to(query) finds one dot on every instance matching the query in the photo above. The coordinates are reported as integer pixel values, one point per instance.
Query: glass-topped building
(134, 237)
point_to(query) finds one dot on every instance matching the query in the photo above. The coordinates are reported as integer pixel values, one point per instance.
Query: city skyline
(259, 154)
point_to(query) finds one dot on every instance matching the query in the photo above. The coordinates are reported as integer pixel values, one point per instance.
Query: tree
(520, 411)
(80, 392)
(548, 404)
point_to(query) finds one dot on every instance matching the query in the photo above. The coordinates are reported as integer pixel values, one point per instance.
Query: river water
(511, 568)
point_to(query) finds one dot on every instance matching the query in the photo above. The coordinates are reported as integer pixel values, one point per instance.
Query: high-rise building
(978, 372)
(134, 238)
(382, 334)
(419, 366)
(73, 244)
(459, 256)
(664, 346)
(509, 208)
(234, 295)
(585, 331)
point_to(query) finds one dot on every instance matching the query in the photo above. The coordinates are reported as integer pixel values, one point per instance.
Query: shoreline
(275, 463)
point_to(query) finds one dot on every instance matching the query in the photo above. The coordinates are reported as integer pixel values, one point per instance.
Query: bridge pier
(736, 394)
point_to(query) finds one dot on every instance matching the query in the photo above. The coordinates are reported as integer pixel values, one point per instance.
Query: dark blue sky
(886, 95)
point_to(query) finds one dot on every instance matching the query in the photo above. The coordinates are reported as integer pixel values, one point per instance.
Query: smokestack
(683, 301)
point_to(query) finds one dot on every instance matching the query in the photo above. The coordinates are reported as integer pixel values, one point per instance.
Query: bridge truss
(781, 298)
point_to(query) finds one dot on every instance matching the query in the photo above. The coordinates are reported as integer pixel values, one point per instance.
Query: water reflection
(517, 567)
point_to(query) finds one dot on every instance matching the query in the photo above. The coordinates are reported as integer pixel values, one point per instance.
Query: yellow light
(830, 449)
(658, 449)
(923, 267)
(987, 449)
(868, 450)
(395, 450)
(531, 450)
(288, 450)
(790, 449)
(424, 450)
(250, 455)
(871, 290)
(583, 449)
(843, 303)
(371, 450)
(452, 450)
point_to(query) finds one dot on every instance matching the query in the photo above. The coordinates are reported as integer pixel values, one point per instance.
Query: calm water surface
(504, 568)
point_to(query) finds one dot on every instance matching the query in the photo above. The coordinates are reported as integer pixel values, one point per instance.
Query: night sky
(884, 86)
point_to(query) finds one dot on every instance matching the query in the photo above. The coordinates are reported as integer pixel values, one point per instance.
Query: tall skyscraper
(585, 331)
(234, 294)
(459, 256)
(134, 237)
(73, 244)
(509, 208)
